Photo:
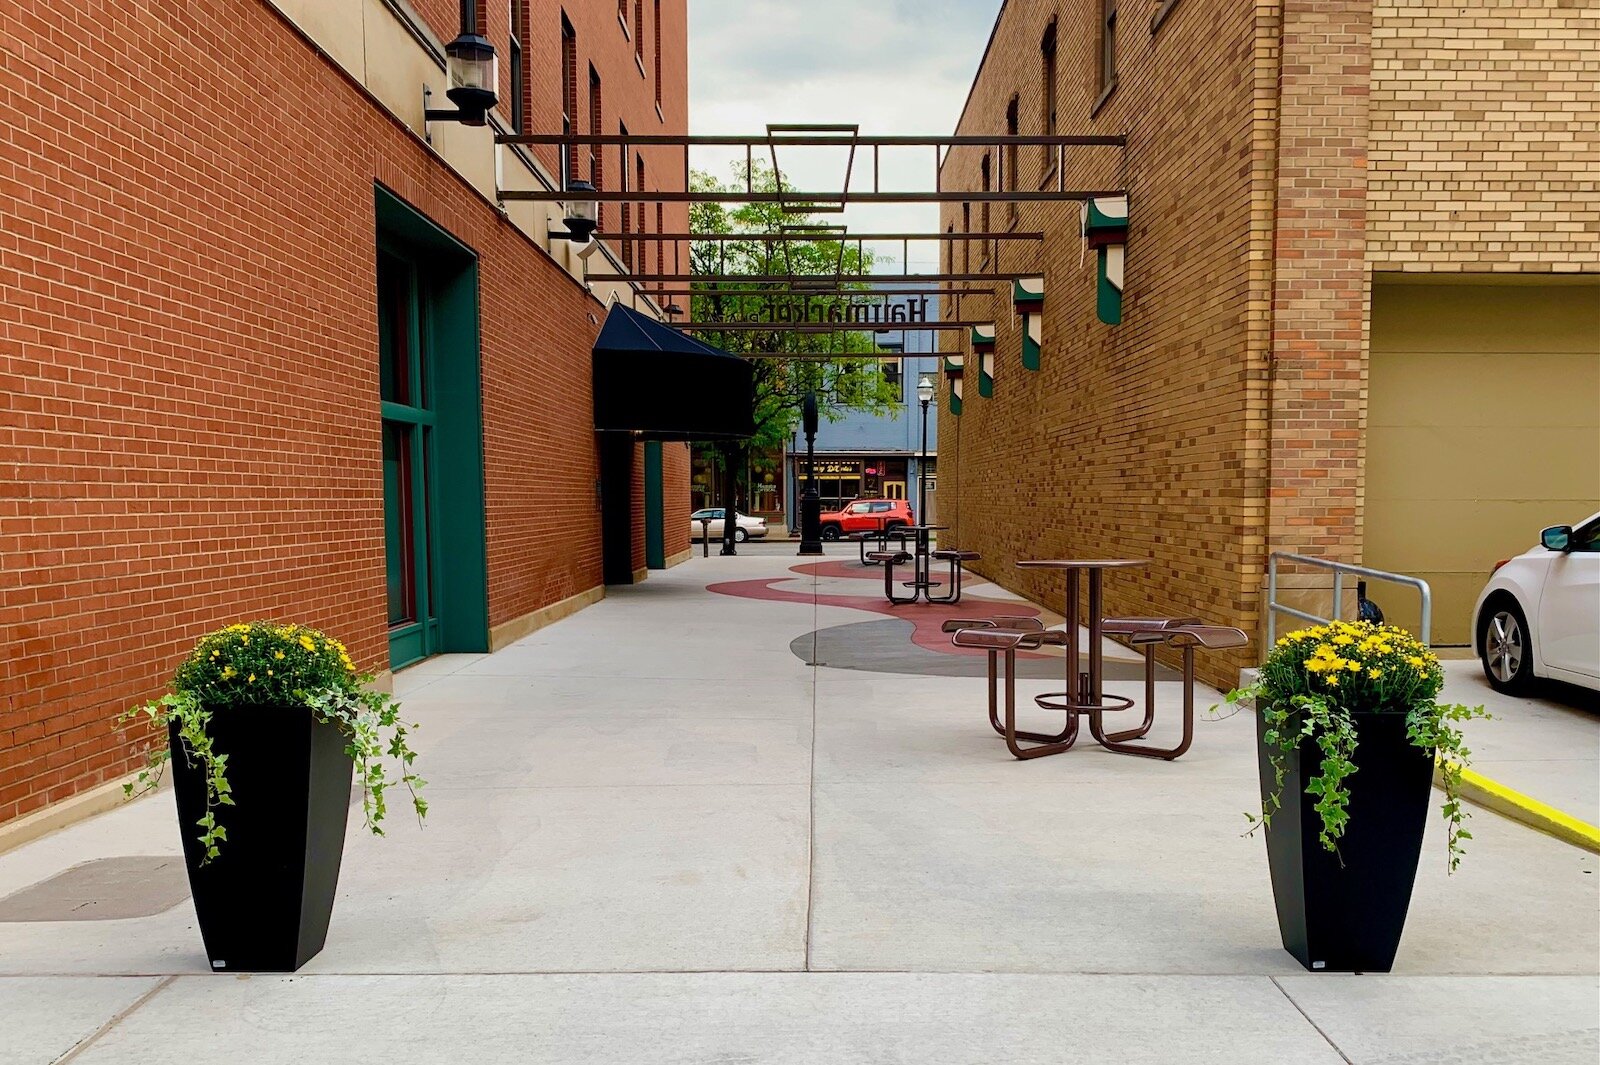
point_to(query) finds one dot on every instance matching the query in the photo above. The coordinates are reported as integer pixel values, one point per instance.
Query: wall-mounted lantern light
(583, 212)
(473, 71)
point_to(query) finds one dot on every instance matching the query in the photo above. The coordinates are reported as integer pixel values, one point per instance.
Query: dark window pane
(399, 535)
(394, 329)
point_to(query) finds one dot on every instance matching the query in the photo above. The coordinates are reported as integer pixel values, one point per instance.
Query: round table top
(1082, 563)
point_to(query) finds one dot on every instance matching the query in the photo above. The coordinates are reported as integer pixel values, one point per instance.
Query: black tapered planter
(264, 901)
(1349, 917)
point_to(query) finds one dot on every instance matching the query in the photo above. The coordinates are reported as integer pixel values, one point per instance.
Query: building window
(891, 376)
(627, 207)
(638, 30)
(519, 85)
(1108, 46)
(966, 241)
(1008, 164)
(1047, 101)
(569, 99)
(661, 249)
(596, 160)
(983, 209)
(658, 52)
(641, 228)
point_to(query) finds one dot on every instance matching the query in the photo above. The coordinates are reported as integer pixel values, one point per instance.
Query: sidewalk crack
(116, 1019)
(1325, 1037)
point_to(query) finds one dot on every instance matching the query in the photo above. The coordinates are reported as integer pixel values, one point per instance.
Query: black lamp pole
(730, 505)
(810, 501)
(922, 470)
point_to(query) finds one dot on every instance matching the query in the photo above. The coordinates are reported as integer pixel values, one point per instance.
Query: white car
(745, 527)
(1539, 615)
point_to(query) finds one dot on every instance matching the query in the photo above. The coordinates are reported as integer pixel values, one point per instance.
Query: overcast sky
(893, 66)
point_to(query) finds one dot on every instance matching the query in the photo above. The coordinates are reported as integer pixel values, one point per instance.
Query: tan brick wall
(1319, 290)
(1485, 135)
(1144, 439)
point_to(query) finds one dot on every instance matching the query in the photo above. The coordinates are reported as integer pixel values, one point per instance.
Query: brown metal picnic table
(1085, 688)
(922, 582)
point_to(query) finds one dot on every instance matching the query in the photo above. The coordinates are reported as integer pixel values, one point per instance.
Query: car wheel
(740, 536)
(830, 532)
(1505, 646)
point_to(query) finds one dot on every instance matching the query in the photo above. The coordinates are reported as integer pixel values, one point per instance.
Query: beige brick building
(1361, 307)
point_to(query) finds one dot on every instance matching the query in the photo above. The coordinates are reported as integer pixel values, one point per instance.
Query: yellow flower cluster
(274, 659)
(1380, 659)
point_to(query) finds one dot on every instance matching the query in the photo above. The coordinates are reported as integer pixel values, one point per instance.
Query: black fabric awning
(653, 381)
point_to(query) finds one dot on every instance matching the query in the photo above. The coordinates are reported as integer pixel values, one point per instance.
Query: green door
(408, 423)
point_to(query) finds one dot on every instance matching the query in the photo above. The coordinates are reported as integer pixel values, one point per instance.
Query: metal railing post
(1339, 569)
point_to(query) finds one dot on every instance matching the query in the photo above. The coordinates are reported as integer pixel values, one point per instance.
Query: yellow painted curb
(1508, 802)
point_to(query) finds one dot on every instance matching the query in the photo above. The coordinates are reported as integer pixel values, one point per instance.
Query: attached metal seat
(1007, 635)
(881, 537)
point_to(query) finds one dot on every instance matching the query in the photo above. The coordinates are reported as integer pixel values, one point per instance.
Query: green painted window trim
(655, 523)
(452, 424)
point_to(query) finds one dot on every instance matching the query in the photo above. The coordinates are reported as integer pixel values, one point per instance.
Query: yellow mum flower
(1344, 640)
(278, 655)
(1415, 660)
(307, 642)
(1333, 682)
(1354, 667)
(1315, 665)
(228, 672)
(1374, 673)
(250, 679)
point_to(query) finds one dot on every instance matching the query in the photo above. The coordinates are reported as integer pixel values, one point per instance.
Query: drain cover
(106, 889)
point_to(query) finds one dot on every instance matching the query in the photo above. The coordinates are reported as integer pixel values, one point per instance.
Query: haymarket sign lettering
(835, 312)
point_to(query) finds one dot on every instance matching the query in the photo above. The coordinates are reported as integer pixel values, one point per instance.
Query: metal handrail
(1339, 570)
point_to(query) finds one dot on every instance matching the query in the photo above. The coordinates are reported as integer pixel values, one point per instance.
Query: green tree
(842, 367)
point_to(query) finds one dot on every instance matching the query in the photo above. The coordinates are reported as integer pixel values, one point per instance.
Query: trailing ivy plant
(1307, 689)
(261, 665)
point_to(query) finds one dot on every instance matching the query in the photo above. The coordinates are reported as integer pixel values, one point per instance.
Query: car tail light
(1497, 566)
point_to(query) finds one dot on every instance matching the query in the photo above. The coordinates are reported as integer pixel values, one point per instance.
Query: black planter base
(265, 901)
(1349, 917)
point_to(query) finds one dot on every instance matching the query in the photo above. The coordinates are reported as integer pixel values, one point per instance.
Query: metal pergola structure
(858, 184)
(816, 136)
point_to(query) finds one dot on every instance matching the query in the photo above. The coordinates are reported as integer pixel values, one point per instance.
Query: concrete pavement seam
(811, 791)
(1514, 805)
(116, 1019)
(1325, 1037)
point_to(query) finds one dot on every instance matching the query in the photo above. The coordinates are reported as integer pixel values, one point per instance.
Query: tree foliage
(842, 367)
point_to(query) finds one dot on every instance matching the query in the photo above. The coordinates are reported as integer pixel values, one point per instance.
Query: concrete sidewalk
(657, 835)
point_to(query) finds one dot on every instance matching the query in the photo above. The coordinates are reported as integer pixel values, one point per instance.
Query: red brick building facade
(223, 224)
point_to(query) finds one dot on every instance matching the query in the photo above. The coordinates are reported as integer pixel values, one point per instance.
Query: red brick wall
(678, 507)
(188, 364)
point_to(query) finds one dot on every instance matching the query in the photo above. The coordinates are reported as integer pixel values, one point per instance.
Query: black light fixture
(673, 310)
(473, 71)
(583, 213)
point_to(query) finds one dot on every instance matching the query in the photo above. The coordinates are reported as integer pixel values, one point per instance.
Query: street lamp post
(924, 397)
(810, 501)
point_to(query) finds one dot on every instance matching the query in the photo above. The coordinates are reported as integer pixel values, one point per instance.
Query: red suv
(865, 515)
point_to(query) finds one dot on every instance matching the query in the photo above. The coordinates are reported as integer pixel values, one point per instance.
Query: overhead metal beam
(806, 200)
(830, 327)
(811, 140)
(826, 279)
(847, 238)
(804, 292)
